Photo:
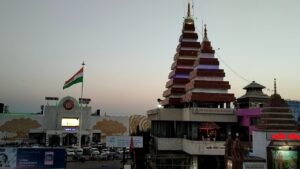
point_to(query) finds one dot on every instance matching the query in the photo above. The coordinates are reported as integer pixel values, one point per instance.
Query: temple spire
(189, 19)
(205, 38)
(189, 10)
(275, 88)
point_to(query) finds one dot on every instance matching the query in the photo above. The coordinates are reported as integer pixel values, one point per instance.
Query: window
(253, 120)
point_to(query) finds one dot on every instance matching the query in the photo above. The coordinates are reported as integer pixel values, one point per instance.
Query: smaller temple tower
(276, 115)
(207, 87)
(254, 96)
(249, 107)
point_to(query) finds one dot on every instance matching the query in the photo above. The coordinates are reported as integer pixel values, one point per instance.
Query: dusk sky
(128, 47)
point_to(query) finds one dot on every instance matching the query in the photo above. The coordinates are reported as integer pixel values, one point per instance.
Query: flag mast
(80, 122)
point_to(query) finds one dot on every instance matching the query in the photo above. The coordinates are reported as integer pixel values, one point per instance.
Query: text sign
(283, 136)
(40, 158)
(124, 141)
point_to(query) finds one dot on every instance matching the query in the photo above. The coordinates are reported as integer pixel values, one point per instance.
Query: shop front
(283, 151)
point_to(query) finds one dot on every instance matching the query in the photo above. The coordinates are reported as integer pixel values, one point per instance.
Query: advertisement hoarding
(124, 141)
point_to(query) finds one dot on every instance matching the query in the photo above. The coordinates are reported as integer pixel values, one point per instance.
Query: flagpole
(80, 122)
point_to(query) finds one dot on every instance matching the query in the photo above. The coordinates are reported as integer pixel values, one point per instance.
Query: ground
(111, 164)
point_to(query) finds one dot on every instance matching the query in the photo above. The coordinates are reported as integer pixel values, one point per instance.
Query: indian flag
(77, 78)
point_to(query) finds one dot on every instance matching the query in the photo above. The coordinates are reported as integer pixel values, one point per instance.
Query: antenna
(275, 87)
(202, 29)
(193, 8)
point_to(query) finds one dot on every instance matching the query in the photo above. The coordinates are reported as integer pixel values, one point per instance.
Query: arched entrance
(54, 141)
(69, 139)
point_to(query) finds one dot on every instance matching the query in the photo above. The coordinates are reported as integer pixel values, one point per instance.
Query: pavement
(110, 164)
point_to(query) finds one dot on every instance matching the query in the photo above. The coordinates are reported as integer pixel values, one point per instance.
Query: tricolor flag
(77, 78)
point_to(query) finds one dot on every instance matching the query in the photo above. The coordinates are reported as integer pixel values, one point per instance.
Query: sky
(128, 47)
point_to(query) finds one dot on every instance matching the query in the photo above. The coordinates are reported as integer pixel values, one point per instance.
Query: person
(3, 159)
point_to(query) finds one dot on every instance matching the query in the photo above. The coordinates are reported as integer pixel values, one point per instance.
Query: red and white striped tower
(207, 87)
(186, 54)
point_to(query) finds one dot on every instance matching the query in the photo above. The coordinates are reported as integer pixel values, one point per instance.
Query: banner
(8, 157)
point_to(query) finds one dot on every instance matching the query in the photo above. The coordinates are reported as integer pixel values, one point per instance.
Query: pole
(80, 120)
(124, 162)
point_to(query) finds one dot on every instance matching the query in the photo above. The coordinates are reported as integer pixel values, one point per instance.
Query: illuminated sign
(284, 136)
(70, 129)
(70, 122)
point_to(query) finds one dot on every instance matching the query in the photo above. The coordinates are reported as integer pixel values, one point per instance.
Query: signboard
(283, 136)
(254, 165)
(124, 141)
(40, 158)
(32, 158)
(8, 157)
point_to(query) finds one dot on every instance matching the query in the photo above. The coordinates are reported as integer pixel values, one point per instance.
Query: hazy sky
(128, 47)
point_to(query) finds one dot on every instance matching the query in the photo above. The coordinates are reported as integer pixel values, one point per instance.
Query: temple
(184, 59)
(197, 114)
(276, 138)
(254, 96)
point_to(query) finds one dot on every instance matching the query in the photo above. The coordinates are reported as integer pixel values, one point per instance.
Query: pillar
(60, 139)
(194, 164)
(47, 140)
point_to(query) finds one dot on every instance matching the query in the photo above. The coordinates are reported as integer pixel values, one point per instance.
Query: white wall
(260, 144)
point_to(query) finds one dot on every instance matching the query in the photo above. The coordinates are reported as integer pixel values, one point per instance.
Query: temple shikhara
(184, 60)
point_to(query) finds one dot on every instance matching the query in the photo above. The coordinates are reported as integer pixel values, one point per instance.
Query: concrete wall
(165, 114)
(260, 144)
(170, 144)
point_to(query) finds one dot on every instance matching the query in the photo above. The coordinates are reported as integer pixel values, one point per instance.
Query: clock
(68, 104)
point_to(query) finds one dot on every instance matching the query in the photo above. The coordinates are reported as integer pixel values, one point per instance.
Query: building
(295, 108)
(63, 122)
(254, 96)
(276, 138)
(249, 107)
(197, 115)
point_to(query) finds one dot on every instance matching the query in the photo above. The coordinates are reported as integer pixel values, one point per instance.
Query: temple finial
(275, 88)
(205, 31)
(205, 38)
(189, 10)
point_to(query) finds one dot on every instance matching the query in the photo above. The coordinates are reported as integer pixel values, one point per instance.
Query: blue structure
(295, 107)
